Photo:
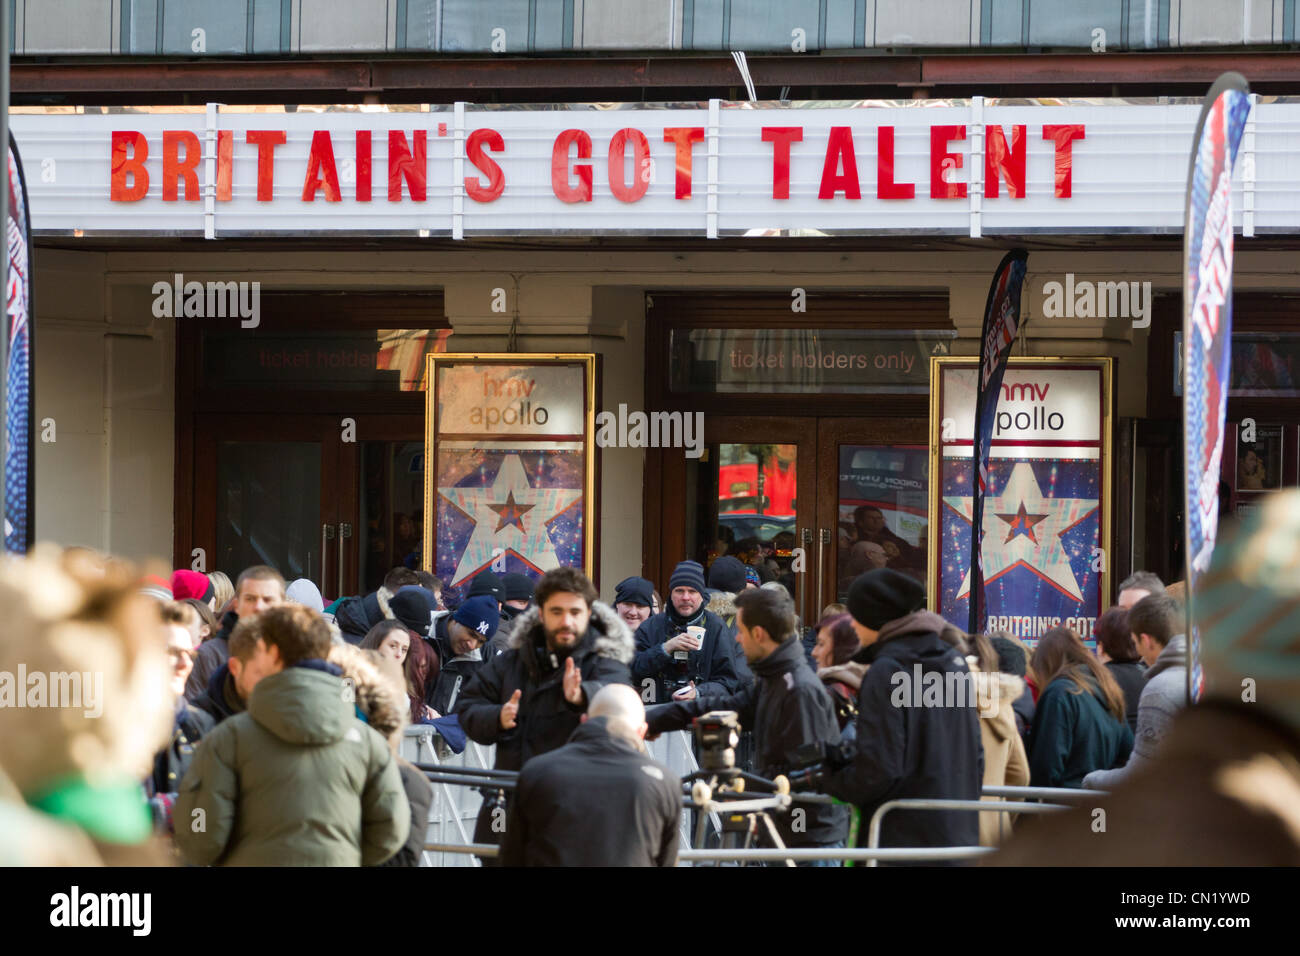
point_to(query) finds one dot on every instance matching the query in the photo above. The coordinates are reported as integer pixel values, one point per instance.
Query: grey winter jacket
(1164, 695)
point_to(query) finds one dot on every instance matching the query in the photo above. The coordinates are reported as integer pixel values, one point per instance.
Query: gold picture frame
(438, 362)
(1105, 367)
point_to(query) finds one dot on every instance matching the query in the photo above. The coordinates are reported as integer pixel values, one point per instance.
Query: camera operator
(528, 699)
(787, 707)
(685, 650)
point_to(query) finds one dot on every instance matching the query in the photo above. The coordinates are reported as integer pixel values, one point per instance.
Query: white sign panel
(1050, 412)
(520, 401)
(949, 167)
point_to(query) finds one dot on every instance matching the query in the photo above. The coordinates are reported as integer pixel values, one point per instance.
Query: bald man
(598, 800)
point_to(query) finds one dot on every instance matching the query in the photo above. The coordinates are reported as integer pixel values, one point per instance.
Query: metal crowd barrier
(453, 811)
(453, 815)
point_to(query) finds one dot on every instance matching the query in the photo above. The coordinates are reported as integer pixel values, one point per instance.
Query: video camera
(717, 734)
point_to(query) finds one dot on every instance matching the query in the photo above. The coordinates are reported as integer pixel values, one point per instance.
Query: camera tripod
(743, 820)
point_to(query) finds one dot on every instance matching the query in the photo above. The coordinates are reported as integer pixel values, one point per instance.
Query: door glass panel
(268, 507)
(742, 500)
(881, 514)
(392, 509)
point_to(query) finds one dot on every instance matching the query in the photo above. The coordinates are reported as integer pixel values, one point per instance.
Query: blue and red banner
(18, 454)
(1207, 329)
(1001, 323)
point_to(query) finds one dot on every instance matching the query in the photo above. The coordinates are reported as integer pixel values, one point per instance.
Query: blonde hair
(81, 623)
(222, 587)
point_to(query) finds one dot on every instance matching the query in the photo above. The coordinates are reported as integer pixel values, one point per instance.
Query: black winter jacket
(221, 700)
(170, 763)
(545, 718)
(913, 751)
(213, 652)
(786, 707)
(450, 675)
(597, 801)
(712, 667)
(419, 794)
(1132, 678)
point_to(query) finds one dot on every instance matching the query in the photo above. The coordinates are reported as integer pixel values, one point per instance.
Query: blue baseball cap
(481, 614)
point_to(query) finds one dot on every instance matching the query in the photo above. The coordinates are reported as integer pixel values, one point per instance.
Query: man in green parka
(297, 779)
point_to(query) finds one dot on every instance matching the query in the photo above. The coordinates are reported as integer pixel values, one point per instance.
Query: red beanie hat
(192, 584)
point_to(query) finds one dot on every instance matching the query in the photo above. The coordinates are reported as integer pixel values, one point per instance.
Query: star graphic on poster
(1022, 505)
(1021, 523)
(524, 532)
(511, 513)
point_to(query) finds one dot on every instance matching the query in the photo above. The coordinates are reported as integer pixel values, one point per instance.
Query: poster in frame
(510, 453)
(1047, 516)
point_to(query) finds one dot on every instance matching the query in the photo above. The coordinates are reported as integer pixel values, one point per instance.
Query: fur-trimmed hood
(723, 604)
(380, 696)
(850, 674)
(608, 635)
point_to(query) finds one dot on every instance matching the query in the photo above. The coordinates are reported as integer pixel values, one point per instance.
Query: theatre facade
(235, 309)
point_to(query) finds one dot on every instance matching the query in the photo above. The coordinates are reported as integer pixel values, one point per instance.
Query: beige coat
(1005, 762)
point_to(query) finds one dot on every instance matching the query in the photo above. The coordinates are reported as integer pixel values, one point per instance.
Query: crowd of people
(262, 725)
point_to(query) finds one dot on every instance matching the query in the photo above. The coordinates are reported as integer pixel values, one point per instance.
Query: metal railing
(453, 812)
(674, 750)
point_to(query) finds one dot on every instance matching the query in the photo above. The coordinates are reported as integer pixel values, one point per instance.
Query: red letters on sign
(132, 164)
(225, 152)
(839, 149)
(618, 162)
(560, 167)
(321, 171)
(886, 188)
(173, 168)
(1063, 136)
(266, 141)
(409, 164)
(474, 146)
(363, 165)
(684, 137)
(1003, 163)
(942, 160)
(781, 137)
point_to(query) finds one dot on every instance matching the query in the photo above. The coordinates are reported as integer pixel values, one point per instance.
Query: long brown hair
(1061, 653)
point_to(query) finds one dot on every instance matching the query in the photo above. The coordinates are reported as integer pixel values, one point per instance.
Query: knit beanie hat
(480, 614)
(634, 591)
(1247, 610)
(304, 591)
(688, 574)
(883, 595)
(192, 584)
(727, 574)
(414, 606)
(518, 587)
(486, 582)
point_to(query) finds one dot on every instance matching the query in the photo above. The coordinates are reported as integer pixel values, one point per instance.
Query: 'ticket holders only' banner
(1047, 508)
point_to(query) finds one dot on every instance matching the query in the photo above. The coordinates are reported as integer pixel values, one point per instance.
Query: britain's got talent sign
(1047, 509)
(510, 467)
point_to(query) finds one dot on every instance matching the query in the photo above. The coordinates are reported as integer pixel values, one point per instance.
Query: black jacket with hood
(545, 719)
(213, 653)
(786, 707)
(221, 700)
(450, 673)
(905, 751)
(596, 801)
(712, 667)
